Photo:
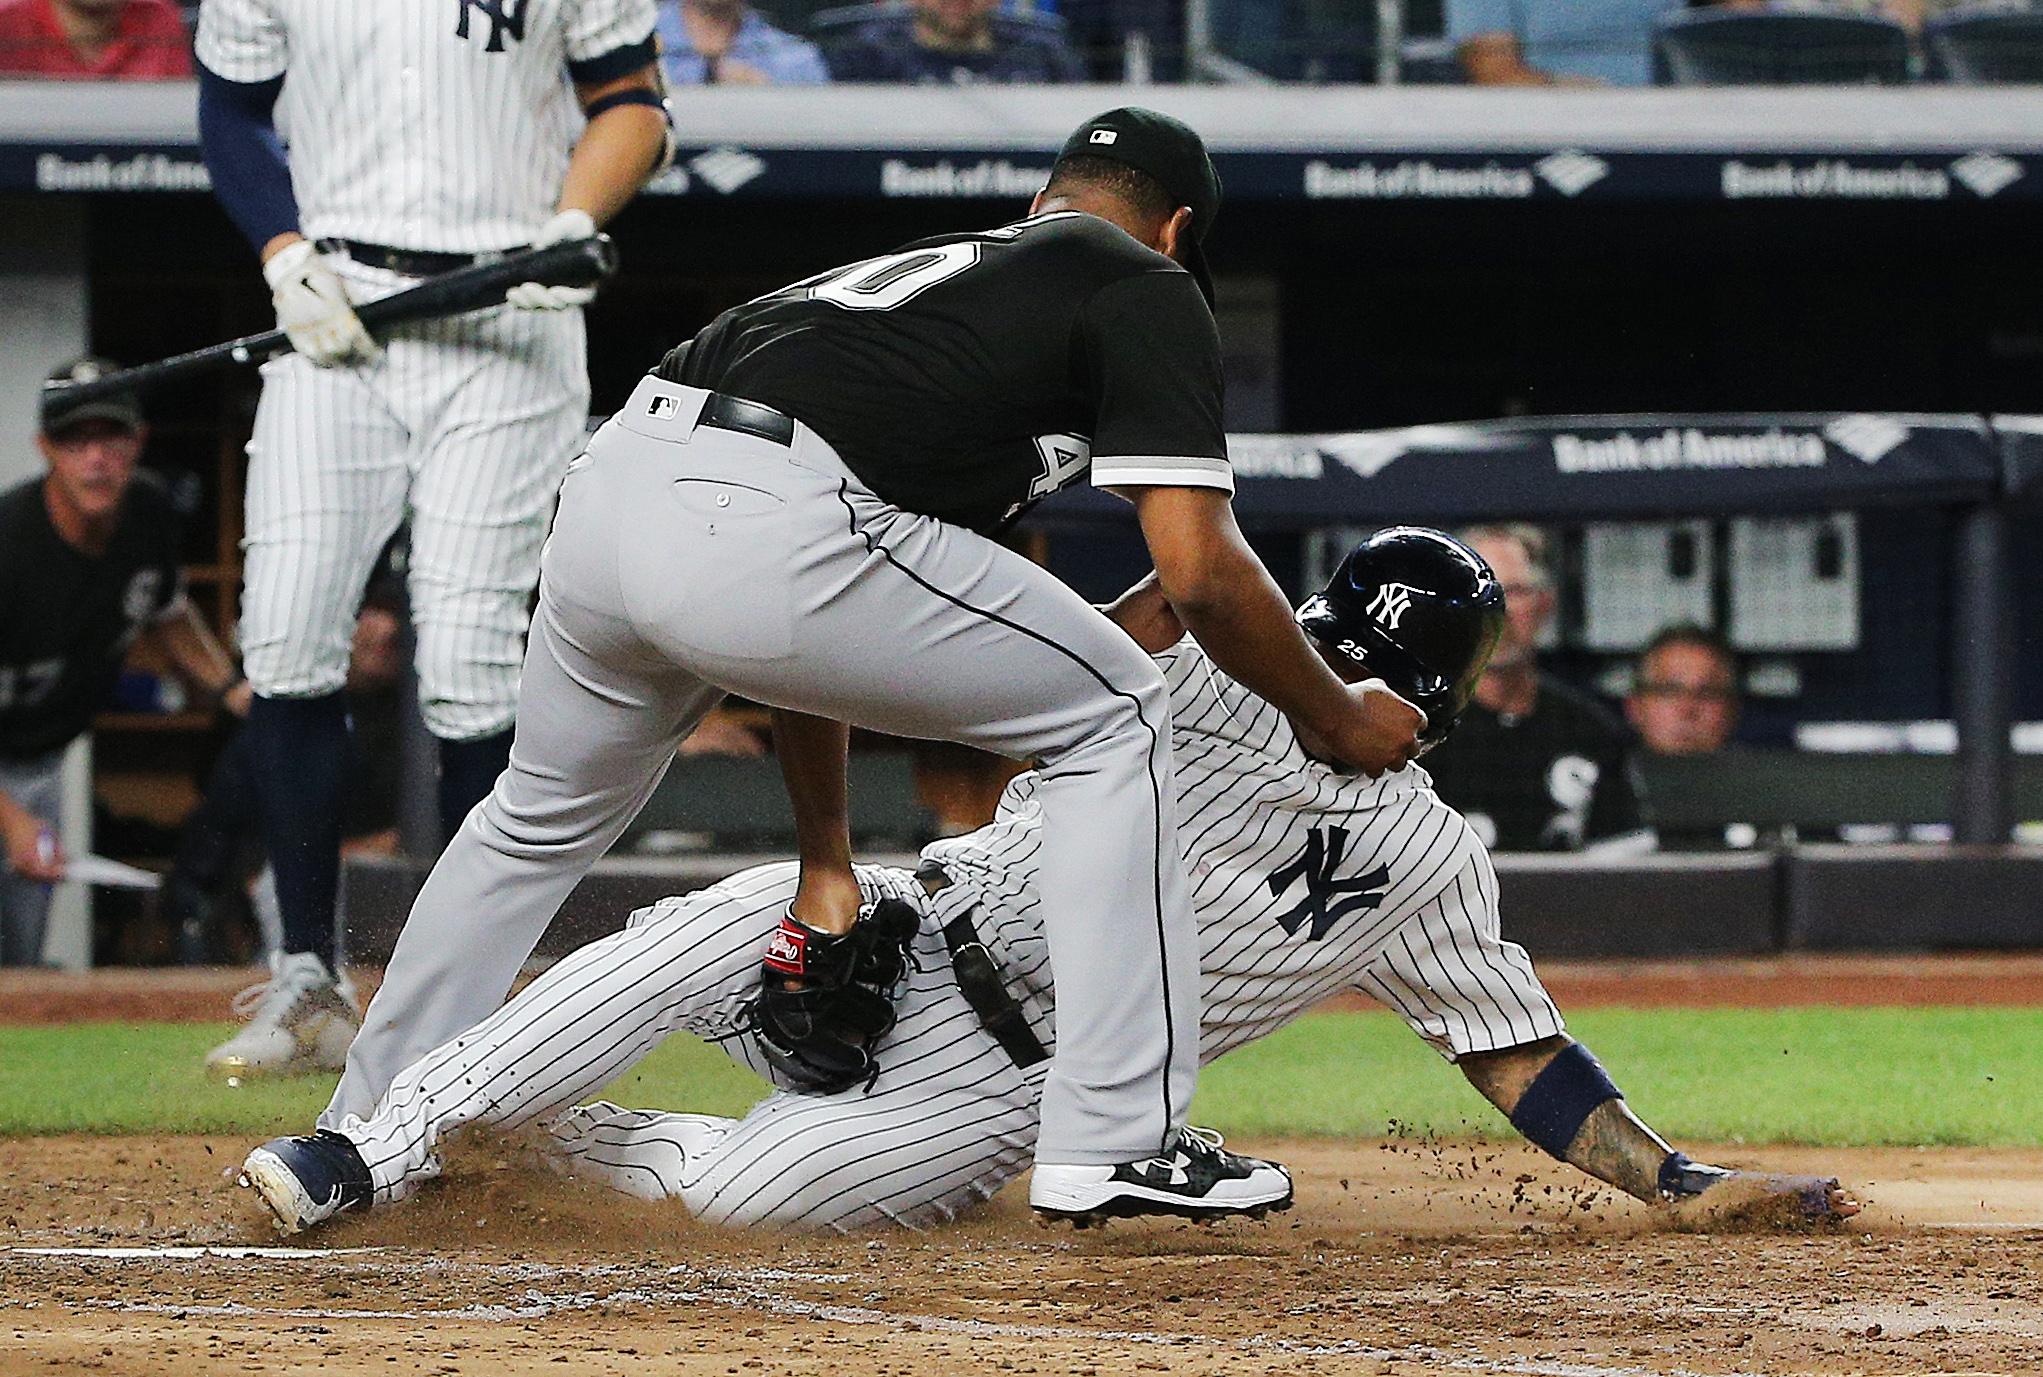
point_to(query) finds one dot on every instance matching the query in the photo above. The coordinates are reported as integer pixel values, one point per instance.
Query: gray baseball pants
(37, 785)
(688, 562)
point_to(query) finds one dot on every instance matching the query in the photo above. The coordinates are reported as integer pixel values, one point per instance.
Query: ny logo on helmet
(505, 17)
(1390, 604)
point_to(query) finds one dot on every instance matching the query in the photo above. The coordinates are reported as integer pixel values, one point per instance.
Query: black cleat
(309, 1179)
(1192, 1178)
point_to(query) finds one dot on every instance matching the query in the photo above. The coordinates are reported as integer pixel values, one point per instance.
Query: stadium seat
(1769, 48)
(1985, 45)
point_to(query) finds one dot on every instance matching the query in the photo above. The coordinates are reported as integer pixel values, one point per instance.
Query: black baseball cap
(124, 409)
(1167, 150)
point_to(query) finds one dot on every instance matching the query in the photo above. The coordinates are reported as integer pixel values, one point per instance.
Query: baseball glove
(828, 998)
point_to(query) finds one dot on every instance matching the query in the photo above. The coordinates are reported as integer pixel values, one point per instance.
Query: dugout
(1390, 257)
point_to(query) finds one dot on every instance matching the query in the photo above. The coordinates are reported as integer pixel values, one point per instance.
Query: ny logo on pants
(1327, 900)
(505, 17)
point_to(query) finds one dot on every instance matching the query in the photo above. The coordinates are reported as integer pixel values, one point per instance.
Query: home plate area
(139, 1256)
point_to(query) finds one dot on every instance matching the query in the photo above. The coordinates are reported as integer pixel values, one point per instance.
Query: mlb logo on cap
(1105, 135)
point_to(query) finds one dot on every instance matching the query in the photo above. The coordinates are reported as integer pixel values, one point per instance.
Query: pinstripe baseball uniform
(441, 129)
(1304, 881)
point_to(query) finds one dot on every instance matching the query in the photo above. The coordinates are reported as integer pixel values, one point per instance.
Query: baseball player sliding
(1306, 880)
(795, 508)
(422, 138)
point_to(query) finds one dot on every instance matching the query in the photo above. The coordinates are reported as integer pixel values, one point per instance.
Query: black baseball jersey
(970, 375)
(1560, 778)
(66, 617)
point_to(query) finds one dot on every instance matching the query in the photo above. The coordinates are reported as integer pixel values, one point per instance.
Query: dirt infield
(201, 994)
(1401, 1258)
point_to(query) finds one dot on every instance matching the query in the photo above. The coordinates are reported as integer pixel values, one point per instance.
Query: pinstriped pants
(465, 426)
(948, 1122)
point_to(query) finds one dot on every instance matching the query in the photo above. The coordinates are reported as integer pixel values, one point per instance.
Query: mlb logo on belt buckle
(663, 407)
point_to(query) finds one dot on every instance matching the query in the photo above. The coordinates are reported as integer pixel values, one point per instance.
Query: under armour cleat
(309, 1179)
(1192, 1178)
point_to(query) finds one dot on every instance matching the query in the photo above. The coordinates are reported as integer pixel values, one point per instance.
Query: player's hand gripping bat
(573, 263)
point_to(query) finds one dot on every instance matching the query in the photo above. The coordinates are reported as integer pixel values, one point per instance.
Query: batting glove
(313, 308)
(538, 296)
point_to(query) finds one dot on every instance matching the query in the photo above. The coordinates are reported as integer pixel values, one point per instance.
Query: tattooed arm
(1613, 1145)
(1616, 1147)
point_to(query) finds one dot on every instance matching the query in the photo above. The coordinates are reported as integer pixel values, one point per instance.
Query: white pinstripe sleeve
(241, 40)
(598, 28)
(1450, 974)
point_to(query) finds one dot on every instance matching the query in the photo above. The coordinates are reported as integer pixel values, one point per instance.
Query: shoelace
(244, 1003)
(273, 999)
(1210, 1137)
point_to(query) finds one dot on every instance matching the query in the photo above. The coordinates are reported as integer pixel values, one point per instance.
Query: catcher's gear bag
(821, 1035)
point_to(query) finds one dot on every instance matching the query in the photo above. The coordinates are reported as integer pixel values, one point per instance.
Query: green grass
(1820, 1076)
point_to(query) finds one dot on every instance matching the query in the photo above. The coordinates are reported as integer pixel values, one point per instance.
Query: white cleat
(303, 1020)
(1193, 1178)
(643, 1153)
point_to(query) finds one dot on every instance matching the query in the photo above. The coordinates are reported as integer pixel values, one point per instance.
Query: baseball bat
(572, 263)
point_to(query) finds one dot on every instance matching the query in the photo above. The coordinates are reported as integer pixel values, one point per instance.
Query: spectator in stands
(1556, 42)
(116, 40)
(1684, 698)
(89, 561)
(1537, 765)
(941, 42)
(728, 43)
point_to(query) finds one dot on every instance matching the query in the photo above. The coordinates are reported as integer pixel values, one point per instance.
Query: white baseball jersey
(1305, 881)
(440, 125)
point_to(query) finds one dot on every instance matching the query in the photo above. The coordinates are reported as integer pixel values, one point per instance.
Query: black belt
(979, 981)
(723, 412)
(411, 262)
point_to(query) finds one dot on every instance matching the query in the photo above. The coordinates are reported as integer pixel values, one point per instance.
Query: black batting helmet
(1419, 610)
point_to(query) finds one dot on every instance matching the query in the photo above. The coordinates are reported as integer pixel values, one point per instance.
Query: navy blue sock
(468, 771)
(299, 749)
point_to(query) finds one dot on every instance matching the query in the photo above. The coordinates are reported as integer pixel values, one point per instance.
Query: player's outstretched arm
(1559, 1096)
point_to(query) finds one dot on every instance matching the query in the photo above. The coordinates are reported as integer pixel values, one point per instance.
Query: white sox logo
(1390, 604)
(786, 951)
